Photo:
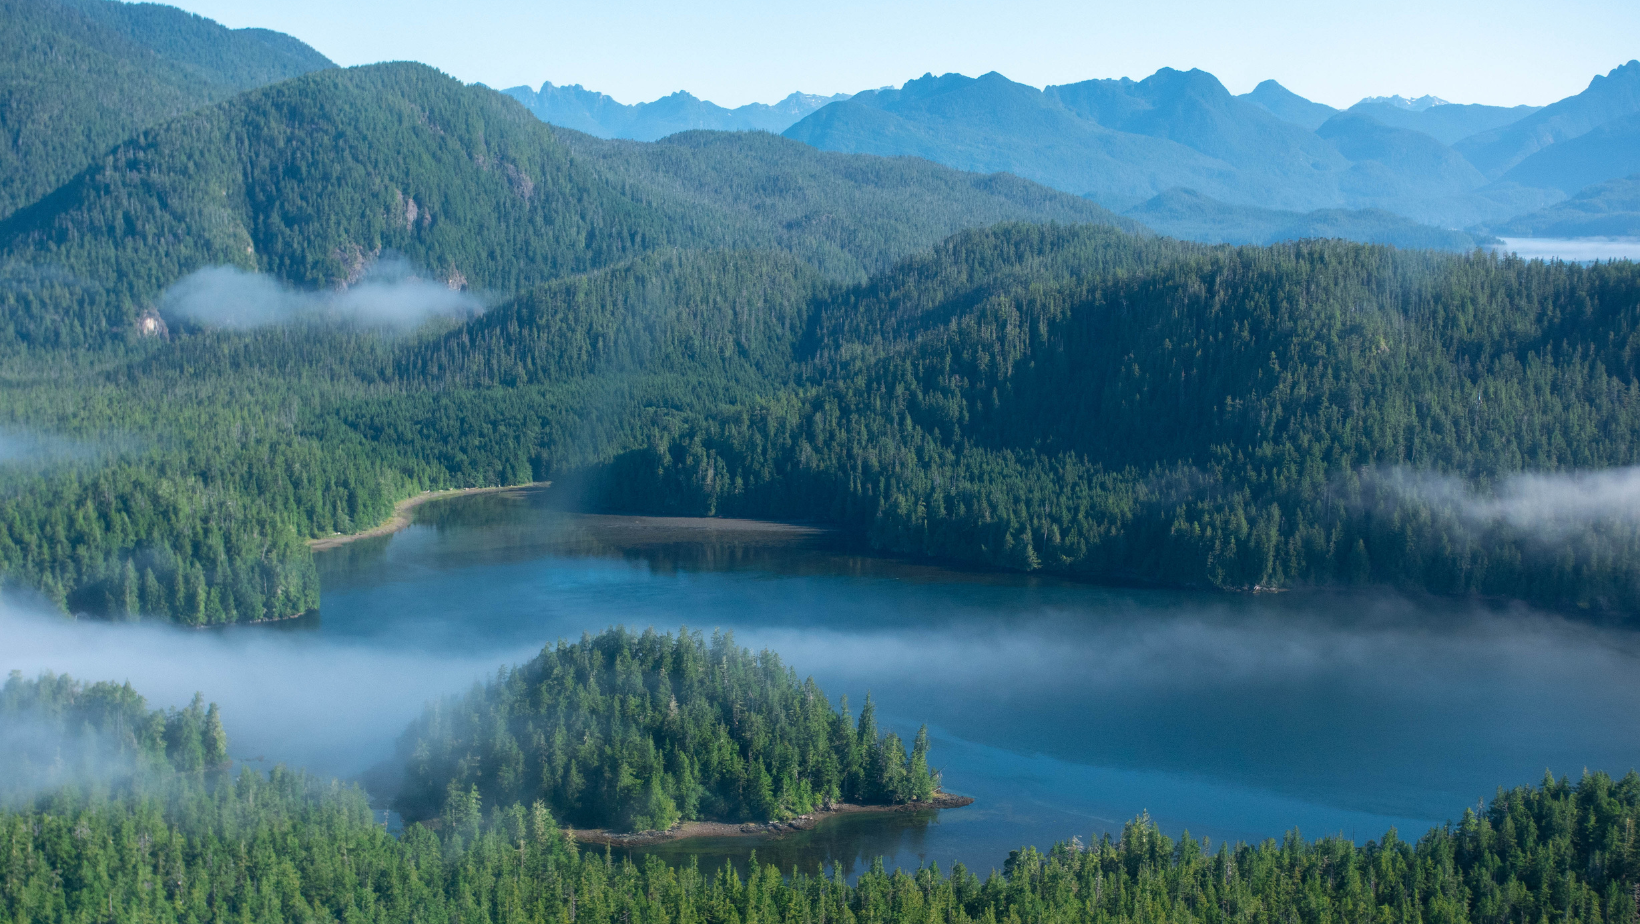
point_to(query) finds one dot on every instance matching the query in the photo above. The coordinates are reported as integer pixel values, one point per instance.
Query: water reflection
(847, 844)
(1065, 708)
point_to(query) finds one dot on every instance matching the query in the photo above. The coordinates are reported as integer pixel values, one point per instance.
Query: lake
(1065, 709)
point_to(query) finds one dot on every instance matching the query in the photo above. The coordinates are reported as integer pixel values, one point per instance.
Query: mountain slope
(1122, 142)
(1191, 216)
(1277, 163)
(1146, 410)
(1605, 152)
(311, 179)
(1609, 209)
(77, 76)
(1288, 106)
(1448, 123)
(979, 124)
(1398, 169)
(597, 114)
(1607, 97)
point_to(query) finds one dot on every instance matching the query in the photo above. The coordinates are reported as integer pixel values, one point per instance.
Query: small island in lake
(643, 738)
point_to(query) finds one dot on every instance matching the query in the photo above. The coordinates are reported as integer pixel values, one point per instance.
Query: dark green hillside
(78, 76)
(849, 216)
(639, 732)
(311, 179)
(726, 316)
(1082, 401)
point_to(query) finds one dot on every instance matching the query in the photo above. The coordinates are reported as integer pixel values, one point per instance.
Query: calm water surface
(1063, 708)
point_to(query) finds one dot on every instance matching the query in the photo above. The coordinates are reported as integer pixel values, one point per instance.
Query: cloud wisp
(391, 295)
(1546, 506)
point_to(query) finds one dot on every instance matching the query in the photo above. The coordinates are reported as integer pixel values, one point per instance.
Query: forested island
(177, 837)
(640, 732)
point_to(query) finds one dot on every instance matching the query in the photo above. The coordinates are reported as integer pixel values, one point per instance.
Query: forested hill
(1067, 398)
(637, 732)
(79, 76)
(311, 179)
(1085, 401)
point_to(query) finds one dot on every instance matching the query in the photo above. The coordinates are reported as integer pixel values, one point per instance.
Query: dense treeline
(639, 732)
(993, 401)
(55, 730)
(1085, 401)
(288, 847)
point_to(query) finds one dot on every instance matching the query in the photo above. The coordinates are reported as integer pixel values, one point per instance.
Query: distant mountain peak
(574, 106)
(1413, 105)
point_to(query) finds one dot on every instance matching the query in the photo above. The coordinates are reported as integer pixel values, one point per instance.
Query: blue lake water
(1064, 709)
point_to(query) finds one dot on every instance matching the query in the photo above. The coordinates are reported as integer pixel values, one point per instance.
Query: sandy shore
(401, 514)
(720, 829)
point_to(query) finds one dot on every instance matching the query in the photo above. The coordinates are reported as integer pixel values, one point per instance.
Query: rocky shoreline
(692, 829)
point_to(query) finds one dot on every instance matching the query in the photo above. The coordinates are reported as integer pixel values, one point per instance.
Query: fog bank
(1548, 506)
(390, 295)
(286, 696)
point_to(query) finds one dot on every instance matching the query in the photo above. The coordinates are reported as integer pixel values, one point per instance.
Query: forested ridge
(728, 323)
(639, 732)
(79, 76)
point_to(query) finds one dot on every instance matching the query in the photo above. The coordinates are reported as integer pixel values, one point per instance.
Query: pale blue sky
(739, 51)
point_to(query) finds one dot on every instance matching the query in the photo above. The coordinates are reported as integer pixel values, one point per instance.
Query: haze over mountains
(600, 115)
(1434, 164)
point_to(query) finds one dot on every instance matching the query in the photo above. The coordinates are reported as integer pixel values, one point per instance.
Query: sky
(1500, 52)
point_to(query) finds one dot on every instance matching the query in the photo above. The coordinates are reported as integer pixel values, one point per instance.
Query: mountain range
(1125, 142)
(600, 115)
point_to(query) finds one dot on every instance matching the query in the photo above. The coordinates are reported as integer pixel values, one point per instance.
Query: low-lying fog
(1065, 708)
(1572, 250)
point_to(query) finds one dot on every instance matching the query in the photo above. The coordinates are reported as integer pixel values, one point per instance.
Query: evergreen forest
(639, 732)
(183, 841)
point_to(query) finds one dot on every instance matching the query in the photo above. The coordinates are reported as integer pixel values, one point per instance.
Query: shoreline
(401, 514)
(696, 829)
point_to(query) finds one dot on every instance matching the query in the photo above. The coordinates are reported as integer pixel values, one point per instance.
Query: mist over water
(1065, 709)
(300, 698)
(1571, 250)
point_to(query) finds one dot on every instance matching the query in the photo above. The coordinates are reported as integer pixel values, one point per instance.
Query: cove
(1064, 708)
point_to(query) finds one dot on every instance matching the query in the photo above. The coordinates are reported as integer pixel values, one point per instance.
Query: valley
(1119, 500)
